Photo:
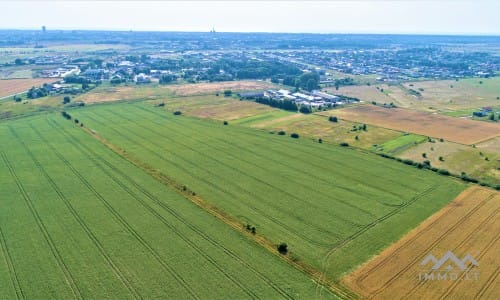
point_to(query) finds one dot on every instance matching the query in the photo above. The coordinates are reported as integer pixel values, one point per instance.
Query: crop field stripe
(379, 220)
(290, 179)
(333, 287)
(489, 283)
(174, 214)
(483, 252)
(373, 224)
(312, 175)
(181, 219)
(220, 188)
(297, 199)
(12, 270)
(76, 216)
(152, 210)
(482, 224)
(122, 221)
(400, 248)
(428, 248)
(55, 253)
(324, 159)
(321, 164)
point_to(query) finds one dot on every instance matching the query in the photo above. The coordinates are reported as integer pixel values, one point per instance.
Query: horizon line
(490, 34)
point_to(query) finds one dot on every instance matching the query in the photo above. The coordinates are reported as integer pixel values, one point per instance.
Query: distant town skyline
(377, 16)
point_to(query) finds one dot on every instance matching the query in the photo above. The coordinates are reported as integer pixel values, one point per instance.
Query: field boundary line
(373, 224)
(436, 241)
(334, 287)
(55, 253)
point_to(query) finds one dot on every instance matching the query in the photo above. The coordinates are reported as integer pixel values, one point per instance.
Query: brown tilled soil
(457, 130)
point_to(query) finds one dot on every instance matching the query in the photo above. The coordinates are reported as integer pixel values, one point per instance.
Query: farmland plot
(453, 129)
(78, 221)
(467, 226)
(334, 207)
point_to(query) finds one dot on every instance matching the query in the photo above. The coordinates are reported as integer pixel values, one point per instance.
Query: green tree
(66, 99)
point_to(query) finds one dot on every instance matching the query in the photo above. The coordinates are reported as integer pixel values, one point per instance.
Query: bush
(227, 93)
(225, 123)
(283, 248)
(344, 144)
(443, 172)
(320, 141)
(66, 99)
(294, 135)
(76, 121)
(333, 119)
(281, 132)
(177, 113)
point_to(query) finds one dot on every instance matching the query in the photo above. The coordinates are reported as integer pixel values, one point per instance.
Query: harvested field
(468, 225)
(213, 87)
(452, 129)
(13, 86)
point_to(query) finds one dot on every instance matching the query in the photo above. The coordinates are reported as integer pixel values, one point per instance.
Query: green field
(79, 221)
(334, 207)
(400, 143)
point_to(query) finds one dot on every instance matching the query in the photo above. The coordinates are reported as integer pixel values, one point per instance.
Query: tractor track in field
(290, 179)
(400, 248)
(125, 224)
(465, 240)
(488, 284)
(336, 288)
(321, 165)
(218, 188)
(177, 216)
(483, 253)
(12, 270)
(428, 248)
(258, 136)
(297, 199)
(373, 224)
(41, 226)
(77, 217)
(154, 212)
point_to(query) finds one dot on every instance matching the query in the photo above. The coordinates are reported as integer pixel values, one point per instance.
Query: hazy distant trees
(167, 78)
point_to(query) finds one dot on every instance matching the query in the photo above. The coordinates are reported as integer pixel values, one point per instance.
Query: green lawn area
(266, 116)
(79, 221)
(334, 207)
(400, 144)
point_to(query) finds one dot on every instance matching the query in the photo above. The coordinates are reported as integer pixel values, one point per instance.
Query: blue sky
(358, 16)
